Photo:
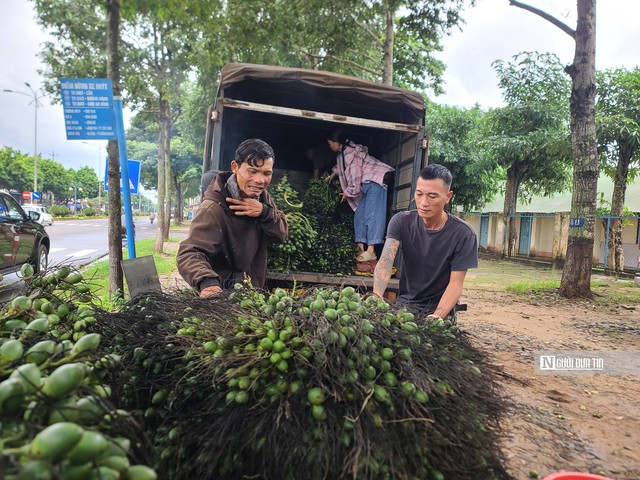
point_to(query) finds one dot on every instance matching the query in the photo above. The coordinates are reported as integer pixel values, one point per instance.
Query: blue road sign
(88, 108)
(134, 176)
(36, 195)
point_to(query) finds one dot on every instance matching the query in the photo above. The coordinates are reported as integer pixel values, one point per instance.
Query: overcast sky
(493, 31)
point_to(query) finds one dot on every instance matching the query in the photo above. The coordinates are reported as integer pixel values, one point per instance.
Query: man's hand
(343, 197)
(247, 207)
(210, 291)
(331, 177)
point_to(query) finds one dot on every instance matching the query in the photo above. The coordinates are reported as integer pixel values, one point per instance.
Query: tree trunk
(177, 208)
(387, 48)
(163, 119)
(615, 255)
(116, 280)
(576, 275)
(515, 173)
(167, 175)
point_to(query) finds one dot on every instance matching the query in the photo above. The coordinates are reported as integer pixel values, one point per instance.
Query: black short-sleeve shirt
(428, 257)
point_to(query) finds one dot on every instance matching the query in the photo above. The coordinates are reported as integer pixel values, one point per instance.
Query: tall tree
(576, 274)
(163, 37)
(116, 276)
(85, 48)
(455, 141)
(382, 40)
(529, 136)
(15, 170)
(87, 178)
(618, 122)
(54, 178)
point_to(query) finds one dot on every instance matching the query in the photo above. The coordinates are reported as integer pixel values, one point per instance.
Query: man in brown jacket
(234, 225)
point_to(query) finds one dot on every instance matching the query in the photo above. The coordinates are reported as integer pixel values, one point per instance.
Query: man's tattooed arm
(382, 273)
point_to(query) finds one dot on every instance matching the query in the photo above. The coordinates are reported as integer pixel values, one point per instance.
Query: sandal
(366, 257)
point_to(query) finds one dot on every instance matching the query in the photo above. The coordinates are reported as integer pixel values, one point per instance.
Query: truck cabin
(295, 111)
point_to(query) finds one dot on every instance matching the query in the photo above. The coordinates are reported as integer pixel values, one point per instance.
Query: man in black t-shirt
(437, 249)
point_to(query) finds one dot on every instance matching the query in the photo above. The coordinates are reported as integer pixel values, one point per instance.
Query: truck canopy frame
(322, 101)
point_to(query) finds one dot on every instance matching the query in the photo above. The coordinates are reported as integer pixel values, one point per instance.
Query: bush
(59, 211)
(89, 212)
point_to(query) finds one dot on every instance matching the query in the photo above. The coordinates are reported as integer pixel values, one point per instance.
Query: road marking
(83, 253)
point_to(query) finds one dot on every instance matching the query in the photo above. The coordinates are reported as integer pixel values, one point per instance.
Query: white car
(45, 216)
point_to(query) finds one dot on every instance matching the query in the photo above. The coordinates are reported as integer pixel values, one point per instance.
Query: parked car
(22, 238)
(45, 215)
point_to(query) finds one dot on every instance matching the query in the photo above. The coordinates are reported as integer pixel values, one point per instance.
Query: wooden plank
(327, 117)
(312, 278)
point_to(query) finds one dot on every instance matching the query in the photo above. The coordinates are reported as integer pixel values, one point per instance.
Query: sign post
(124, 173)
(92, 113)
(88, 111)
(134, 176)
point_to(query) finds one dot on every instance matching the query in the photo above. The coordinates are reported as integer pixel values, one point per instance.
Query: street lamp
(99, 172)
(75, 188)
(35, 96)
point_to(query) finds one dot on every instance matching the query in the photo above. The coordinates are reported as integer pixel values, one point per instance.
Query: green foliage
(618, 119)
(59, 211)
(16, 170)
(603, 209)
(289, 255)
(54, 178)
(456, 141)
(89, 212)
(334, 250)
(87, 179)
(529, 136)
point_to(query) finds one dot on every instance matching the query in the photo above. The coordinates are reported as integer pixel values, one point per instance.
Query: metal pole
(99, 186)
(34, 95)
(124, 173)
(35, 147)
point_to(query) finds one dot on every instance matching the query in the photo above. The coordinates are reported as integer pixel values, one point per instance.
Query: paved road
(81, 241)
(78, 243)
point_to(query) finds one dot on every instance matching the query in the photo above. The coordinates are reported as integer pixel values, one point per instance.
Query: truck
(293, 109)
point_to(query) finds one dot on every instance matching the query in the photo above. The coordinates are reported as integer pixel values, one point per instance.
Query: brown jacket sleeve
(274, 225)
(205, 240)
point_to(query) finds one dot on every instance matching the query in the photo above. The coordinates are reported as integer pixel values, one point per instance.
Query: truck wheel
(41, 261)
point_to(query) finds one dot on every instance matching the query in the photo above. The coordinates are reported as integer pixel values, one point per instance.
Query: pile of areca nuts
(56, 420)
(315, 383)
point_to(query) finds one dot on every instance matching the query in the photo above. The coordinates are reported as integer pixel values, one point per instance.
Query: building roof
(561, 202)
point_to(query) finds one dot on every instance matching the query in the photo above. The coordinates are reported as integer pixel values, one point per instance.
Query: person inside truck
(234, 225)
(321, 158)
(437, 249)
(362, 179)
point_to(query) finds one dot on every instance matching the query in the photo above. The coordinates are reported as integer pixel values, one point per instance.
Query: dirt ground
(583, 422)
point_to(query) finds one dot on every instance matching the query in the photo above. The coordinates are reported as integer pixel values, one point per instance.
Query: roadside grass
(97, 273)
(538, 283)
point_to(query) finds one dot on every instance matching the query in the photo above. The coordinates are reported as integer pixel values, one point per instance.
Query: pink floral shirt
(355, 166)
